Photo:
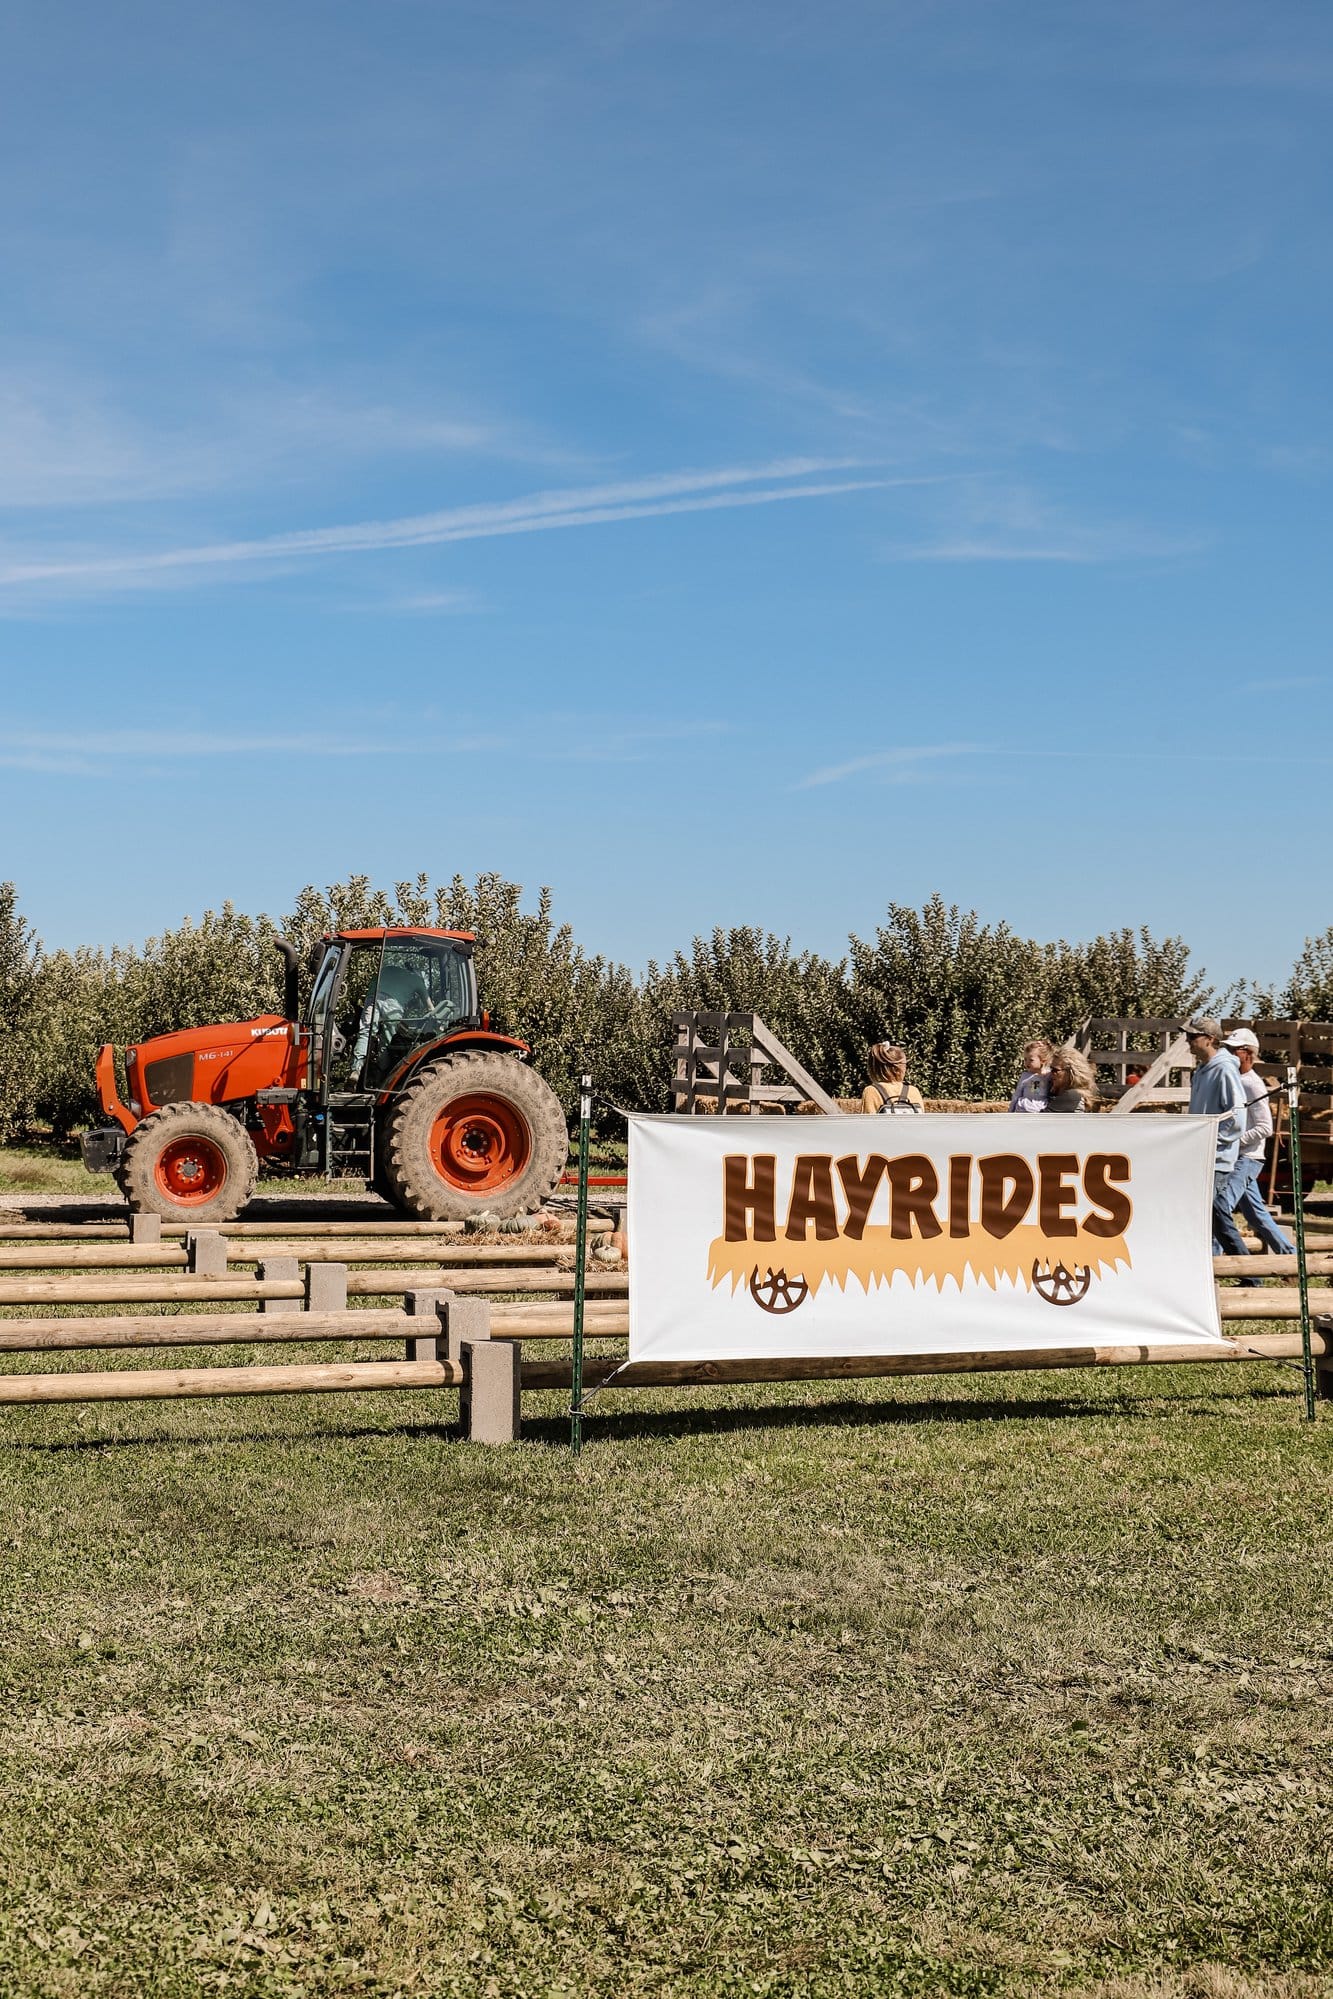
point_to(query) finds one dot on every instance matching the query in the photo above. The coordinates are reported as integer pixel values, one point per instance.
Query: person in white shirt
(1034, 1085)
(1243, 1044)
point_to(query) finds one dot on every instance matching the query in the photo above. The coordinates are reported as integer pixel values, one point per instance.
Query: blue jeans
(1228, 1186)
(1251, 1204)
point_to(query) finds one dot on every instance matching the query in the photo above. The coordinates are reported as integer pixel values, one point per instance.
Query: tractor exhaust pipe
(291, 977)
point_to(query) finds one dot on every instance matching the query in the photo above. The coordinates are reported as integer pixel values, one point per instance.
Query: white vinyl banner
(796, 1237)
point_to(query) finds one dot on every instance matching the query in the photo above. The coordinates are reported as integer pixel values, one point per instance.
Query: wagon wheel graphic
(777, 1292)
(1060, 1286)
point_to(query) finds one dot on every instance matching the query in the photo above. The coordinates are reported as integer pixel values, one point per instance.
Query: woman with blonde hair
(888, 1091)
(1073, 1084)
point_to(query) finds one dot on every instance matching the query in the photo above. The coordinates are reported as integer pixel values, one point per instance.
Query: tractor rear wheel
(476, 1134)
(189, 1163)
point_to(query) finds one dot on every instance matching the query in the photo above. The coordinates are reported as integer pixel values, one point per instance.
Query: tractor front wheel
(476, 1134)
(189, 1163)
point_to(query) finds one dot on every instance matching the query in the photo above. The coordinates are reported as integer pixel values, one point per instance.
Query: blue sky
(735, 464)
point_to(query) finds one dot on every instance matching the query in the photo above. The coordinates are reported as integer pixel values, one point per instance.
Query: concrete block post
(326, 1287)
(279, 1270)
(206, 1253)
(428, 1307)
(464, 1319)
(491, 1396)
(145, 1228)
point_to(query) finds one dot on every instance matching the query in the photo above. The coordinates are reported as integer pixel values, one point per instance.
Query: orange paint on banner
(879, 1256)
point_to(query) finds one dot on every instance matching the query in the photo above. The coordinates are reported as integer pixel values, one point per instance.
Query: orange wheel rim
(479, 1144)
(191, 1171)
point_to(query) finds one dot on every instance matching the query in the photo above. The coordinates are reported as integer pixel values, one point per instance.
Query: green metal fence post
(1298, 1193)
(580, 1254)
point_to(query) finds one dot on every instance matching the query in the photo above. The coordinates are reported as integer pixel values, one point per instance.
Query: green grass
(48, 1168)
(1016, 1685)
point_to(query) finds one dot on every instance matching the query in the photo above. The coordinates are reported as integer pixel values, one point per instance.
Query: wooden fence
(1145, 1062)
(461, 1323)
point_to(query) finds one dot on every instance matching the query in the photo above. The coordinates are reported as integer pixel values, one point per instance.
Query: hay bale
(964, 1104)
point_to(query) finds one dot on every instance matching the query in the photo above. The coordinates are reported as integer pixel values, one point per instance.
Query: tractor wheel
(475, 1134)
(189, 1163)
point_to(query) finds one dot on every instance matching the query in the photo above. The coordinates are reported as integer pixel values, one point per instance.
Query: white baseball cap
(1243, 1037)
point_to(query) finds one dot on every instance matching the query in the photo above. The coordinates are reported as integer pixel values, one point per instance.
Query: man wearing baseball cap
(1215, 1092)
(1243, 1043)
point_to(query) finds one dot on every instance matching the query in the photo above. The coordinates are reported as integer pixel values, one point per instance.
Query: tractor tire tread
(416, 1186)
(160, 1128)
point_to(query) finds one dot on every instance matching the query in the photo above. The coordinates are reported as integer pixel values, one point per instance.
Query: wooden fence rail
(515, 1322)
(1279, 1303)
(181, 1288)
(157, 1384)
(473, 1290)
(556, 1283)
(542, 1374)
(119, 1231)
(448, 1343)
(175, 1256)
(167, 1289)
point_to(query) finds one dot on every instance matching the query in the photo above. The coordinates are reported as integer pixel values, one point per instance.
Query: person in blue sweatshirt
(1215, 1091)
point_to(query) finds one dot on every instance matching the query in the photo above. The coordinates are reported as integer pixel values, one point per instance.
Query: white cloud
(431, 603)
(556, 738)
(1088, 549)
(104, 751)
(995, 523)
(986, 551)
(896, 766)
(69, 439)
(635, 499)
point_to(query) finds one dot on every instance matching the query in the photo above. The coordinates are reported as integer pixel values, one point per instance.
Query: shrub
(20, 977)
(1308, 993)
(961, 996)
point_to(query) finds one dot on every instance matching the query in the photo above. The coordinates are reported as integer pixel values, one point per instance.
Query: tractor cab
(380, 1002)
(380, 998)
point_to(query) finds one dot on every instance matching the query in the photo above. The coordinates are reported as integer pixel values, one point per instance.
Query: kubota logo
(979, 1222)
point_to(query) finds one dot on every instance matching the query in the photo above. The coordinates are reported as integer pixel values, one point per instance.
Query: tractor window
(425, 988)
(354, 1016)
(319, 1013)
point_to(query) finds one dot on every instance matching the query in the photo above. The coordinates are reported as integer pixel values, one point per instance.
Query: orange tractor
(393, 1075)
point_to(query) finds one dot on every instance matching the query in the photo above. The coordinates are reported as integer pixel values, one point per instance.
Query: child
(888, 1089)
(1034, 1085)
